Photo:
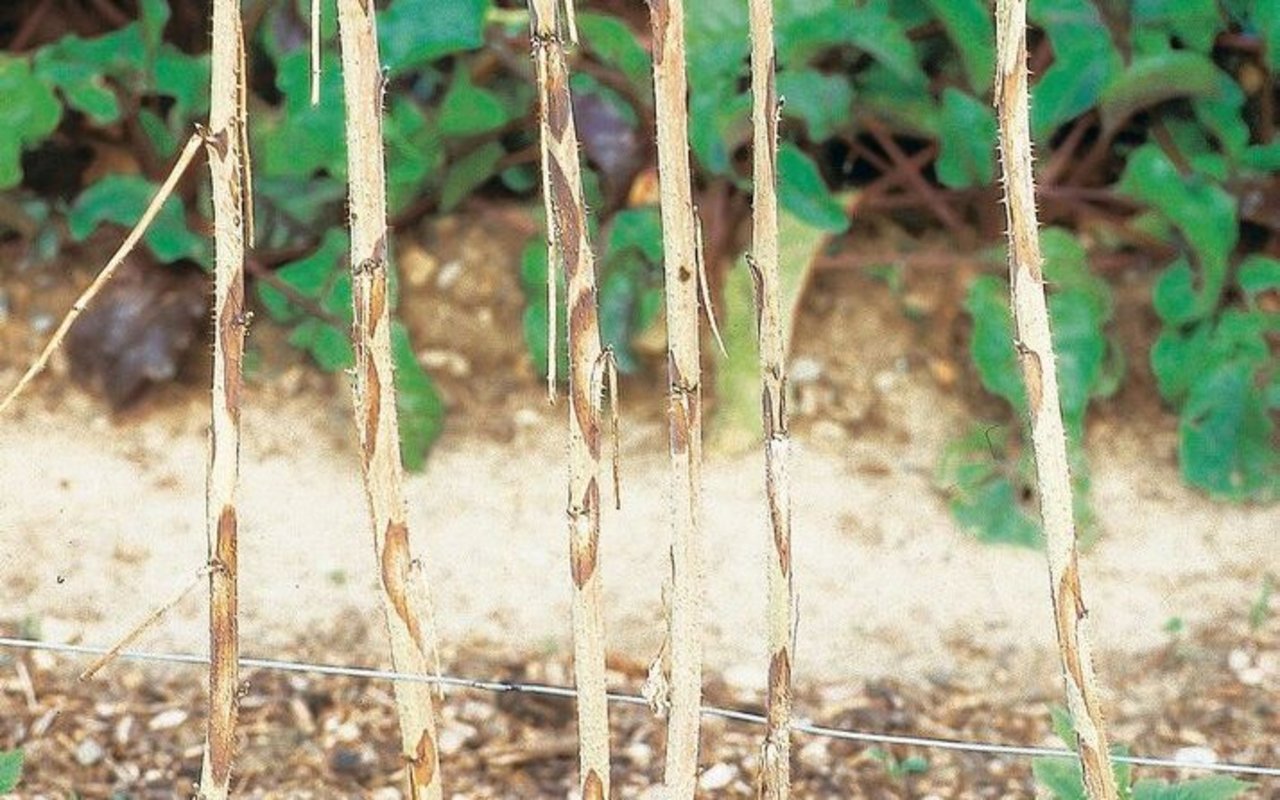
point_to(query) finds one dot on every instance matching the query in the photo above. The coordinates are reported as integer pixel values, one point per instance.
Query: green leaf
(983, 498)
(1154, 79)
(415, 153)
(991, 342)
(1266, 18)
(413, 33)
(1216, 787)
(801, 191)
(1225, 432)
(469, 173)
(1202, 210)
(1258, 274)
(121, 200)
(907, 106)
(468, 109)
(1085, 61)
(871, 28)
(328, 346)
(1196, 23)
(29, 113)
(310, 277)
(613, 42)
(184, 78)
(10, 769)
(970, 27)
(80, 69)
(299, 139)
(421, 411)
(821, 101)
(636, 228)
(1061, 776)
(968, 133)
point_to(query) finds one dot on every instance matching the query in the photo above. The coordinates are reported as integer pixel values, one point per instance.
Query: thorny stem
(775, 772)
(568, 243)
(405, 600)
(228, 166)
(1036, 357)
(684, 404)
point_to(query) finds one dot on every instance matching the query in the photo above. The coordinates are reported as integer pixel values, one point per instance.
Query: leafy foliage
(10, 769)
(1062, 778)
(987, 483)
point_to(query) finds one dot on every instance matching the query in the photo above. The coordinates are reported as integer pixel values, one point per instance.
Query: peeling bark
(568, 247)
(775, 773)
(228, 164)
(684, 404)
(406, 606)
(1036, 357)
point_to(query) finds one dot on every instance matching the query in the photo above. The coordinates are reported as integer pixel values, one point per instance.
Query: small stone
(386, 793)
(449, 274)
(639, 754)
(717, 776)
(1196, 755)
(167, 720)
(743, 677)
(815, 756)
(89, 752)
(455, 737)
(805, 370)
(41, 323)
(416, 264)
(528, 418)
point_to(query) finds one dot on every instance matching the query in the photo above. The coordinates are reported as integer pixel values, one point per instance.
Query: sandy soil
(101, 520)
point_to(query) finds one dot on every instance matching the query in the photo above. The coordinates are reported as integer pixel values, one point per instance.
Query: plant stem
(568, 240)
(684, 404)
(405, 601)
(775, 773)
(1036, 358)
(227, 165)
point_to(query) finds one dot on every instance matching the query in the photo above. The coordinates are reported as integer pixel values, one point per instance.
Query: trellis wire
(549, 690)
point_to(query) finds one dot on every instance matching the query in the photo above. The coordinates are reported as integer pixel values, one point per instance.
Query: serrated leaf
(983, 499)
(802, 192)
(29, 113)
(121, 200)
(822, 102)
(298, 139)
(970, 27)
(420, 410)
(967, 130)
(80, 69)
(1156, 78)
(413, 33)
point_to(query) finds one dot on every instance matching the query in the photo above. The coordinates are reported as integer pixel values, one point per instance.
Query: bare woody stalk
(684, 401)
(404, 598)
(1039, 371)
(568, 240)
(775, 768)
(228, 165)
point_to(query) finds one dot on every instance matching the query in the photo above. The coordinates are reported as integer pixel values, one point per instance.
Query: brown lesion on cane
(422, 764)
(231, 329)
(1069, 608)
(779, 677)
(217, 141)
(583, 555)
(778, 524)
(558, 103)
(660, 13)
(592, 787)
(372, 390)
(395, 573)
(568, 225)
(1032, 376)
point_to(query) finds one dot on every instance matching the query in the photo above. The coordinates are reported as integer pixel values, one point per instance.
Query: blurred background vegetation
(1155, 123)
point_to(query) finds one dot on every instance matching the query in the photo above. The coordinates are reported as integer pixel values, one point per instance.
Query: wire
(547, 690)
